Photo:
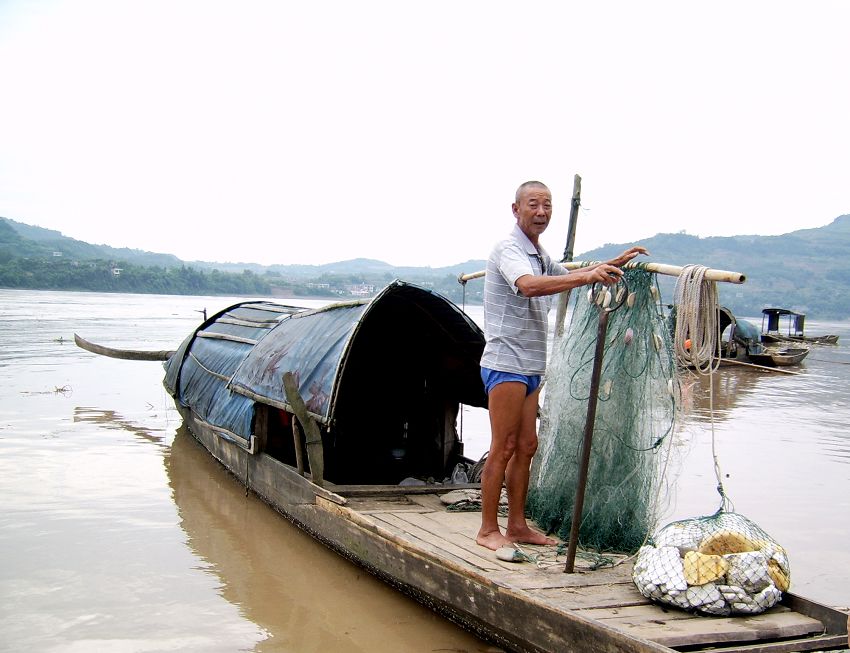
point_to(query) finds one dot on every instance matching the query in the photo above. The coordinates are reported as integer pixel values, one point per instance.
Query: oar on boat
(125, 354)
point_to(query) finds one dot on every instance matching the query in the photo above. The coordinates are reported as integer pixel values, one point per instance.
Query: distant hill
(19, 239)
(806, 270)
(352, 266)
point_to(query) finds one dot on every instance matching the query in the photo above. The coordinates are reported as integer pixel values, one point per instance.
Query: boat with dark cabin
(741, 341)
(794, 328)
(344, 419)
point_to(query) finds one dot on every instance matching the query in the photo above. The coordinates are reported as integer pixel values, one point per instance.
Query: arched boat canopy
(199, 371)
(312, 345)
(406, 341)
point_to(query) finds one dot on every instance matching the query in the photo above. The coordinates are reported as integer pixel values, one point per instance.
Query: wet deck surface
(607, 595)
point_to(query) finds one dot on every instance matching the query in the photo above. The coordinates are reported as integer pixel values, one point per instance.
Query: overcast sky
(312, 132)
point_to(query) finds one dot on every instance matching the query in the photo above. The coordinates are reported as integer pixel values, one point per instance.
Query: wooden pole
(298, 441)
(730, 361)
(315, 453)
(564, 297)
(584, 464)
(658, 268)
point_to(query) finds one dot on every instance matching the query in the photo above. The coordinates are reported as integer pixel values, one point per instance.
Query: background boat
(779, 356)
(741, 342)
(773, 330)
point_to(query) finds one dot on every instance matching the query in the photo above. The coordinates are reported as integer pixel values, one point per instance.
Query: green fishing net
(634, 416)
(719, 565)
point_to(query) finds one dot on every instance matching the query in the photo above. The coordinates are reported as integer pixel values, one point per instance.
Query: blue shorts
(492, 378)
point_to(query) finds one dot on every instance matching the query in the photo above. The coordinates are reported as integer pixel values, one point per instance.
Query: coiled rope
(697, 327)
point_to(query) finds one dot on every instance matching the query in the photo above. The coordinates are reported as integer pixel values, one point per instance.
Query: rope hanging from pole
(697, 325)
(697, 332)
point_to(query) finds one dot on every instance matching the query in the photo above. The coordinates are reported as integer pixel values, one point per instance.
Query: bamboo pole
(564, 297)
(658, 268)
(676, 270)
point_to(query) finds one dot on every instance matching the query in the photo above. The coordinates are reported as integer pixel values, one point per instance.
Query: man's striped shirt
(516, 327)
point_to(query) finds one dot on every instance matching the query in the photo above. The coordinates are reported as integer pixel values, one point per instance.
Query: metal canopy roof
(239, 356)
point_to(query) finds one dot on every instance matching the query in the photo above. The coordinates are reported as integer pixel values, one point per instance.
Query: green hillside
(806, 270)
(19, 239)
(36, 258)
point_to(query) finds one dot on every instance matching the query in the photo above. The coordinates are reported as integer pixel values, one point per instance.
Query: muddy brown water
(119, 533)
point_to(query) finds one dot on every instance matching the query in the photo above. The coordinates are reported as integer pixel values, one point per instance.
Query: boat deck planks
(405, 526)
(681, 629)
(554, 577)
(376, 505)
(607, 595)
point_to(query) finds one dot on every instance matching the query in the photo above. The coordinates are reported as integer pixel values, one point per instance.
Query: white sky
(312, 132)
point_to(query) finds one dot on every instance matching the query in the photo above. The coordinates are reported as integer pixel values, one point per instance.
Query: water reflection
(714, 396)
(110, 419)
(306, 597)
(810, 402)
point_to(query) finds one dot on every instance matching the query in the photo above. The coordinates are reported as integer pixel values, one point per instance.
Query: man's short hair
(529, 184)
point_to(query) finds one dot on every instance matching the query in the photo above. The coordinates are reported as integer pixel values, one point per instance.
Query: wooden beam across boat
(658, 268)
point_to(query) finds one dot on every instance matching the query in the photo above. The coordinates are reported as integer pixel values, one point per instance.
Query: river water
(119, 533)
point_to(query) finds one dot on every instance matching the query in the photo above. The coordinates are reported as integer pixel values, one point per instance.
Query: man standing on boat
(519, 279)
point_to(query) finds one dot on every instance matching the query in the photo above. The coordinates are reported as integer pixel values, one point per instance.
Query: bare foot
(529, 536)
(493, 540)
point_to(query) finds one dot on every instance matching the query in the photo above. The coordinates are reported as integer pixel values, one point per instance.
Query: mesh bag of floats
(719, 565)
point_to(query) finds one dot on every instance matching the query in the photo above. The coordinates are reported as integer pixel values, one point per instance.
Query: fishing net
(634, 416)
(719, 565)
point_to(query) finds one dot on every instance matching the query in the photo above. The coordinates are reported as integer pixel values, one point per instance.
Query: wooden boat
(741, 343)
(778, 356)
(772, 319)
(343, 419)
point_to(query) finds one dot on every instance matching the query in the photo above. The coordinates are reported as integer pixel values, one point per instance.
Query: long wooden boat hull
(406, 537)
(451, 587)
